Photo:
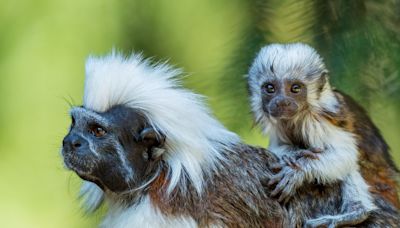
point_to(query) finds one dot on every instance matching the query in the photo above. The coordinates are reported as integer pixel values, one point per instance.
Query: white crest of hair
(289, 61)
(144, 214)
(194, 138)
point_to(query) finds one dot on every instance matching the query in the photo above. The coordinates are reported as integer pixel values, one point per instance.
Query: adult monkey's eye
(269, 88)
(97, 131)
(296, 88)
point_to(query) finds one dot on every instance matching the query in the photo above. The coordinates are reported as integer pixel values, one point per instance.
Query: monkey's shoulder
(352, 117)
(371, 143)
(377, 165)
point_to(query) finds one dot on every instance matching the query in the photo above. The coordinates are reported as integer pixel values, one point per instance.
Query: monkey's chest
(303, 136)
(297, 140)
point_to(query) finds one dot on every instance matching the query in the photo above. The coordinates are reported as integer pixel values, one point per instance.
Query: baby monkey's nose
(283, 102)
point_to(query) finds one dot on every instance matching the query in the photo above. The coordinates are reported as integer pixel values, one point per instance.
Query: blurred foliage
(44, 43)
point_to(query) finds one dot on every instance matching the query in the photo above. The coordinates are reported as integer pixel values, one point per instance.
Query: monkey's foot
(322, 222)
(357, 215)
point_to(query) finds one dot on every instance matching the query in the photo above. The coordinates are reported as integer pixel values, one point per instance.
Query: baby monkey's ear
(152, 138)
(322, 80)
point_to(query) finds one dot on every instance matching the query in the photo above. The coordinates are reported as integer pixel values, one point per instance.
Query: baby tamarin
(321, 134)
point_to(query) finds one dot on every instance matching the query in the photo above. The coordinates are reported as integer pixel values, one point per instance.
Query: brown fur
(377, 166)
(226, 201)
(237, 197)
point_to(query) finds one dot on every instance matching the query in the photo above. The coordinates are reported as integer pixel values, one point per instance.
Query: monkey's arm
(337, 159)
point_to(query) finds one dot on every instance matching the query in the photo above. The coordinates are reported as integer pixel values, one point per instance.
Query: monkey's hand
(294, 161)
(290, 174)
(287, 181)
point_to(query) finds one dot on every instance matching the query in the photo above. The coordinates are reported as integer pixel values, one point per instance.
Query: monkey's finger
(307, 154)
(316, 150)
(286, 159)
(275, 179)
(284, 197)
(287, 192)
(279, 188)
(292, 162)
(286, 200)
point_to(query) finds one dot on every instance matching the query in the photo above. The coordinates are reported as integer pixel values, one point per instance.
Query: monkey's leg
(356, 216)
(356, 207)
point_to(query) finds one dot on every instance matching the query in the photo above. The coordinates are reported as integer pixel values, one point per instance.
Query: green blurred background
(44, 43)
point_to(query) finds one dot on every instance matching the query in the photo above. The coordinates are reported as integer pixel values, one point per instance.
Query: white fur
(92, 148)
(356, 190)
(289, 61)
(339, 149)
(327, 100)
(194, 138)
(92, 196)
(143, 214)
(338, 161)
(128, 169)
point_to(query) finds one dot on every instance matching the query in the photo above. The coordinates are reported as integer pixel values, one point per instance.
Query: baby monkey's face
(112, 149)
(286, 80)
(284, 98)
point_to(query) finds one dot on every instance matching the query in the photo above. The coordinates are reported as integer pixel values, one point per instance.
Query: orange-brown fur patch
(157, 192)
(378, 174)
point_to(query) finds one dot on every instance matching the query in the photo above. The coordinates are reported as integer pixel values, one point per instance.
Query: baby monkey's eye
(97, 131)
(269, 88)
(296, 88)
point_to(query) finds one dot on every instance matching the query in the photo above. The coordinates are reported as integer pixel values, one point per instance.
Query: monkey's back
(248, 168)
(376, 163)
(233, 185)
(237, 196)
(234, 195)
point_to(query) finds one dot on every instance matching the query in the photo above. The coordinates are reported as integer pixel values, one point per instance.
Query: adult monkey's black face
(114, 149)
